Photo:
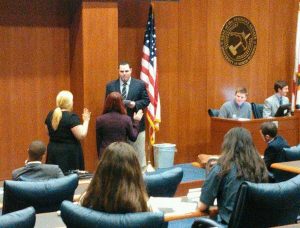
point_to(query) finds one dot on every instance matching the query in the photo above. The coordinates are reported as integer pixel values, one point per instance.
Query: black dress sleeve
(74, 120)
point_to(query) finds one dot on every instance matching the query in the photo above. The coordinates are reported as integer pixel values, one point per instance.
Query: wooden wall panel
(167, 54)
(100, 58)
(34, 67)
(192, 80)
(132, 21)
(282, 24)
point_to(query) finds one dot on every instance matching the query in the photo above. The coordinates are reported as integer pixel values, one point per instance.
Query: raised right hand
(138, 116)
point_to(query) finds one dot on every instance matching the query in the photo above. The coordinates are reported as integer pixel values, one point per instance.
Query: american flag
(296, 74)
(150, 76)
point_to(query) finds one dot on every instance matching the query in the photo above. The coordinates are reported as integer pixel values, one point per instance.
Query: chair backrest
(81, 217)
(24, 218)
(289, 154)
(257, 110)
(163, 184)
(266, 205)
(44, 196)
(292, 153)
(213, 112)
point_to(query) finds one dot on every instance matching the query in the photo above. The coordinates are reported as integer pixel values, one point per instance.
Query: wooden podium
(288, 127)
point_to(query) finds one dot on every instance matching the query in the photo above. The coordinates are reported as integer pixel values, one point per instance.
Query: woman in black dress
(65, 132)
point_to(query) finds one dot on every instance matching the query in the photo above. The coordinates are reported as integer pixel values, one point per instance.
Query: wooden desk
(213, 211)
(53, 220)
(292, 166)
(288, 127)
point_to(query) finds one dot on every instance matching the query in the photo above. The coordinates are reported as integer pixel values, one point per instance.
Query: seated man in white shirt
(34, 170)
(273, 102)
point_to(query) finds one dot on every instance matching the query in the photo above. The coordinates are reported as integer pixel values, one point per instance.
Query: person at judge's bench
(34, 170)
(135, 97)
(237, 108)
(273, 102)
(114, 125)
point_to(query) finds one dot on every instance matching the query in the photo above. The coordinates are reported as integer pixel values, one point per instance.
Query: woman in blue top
(239, 162)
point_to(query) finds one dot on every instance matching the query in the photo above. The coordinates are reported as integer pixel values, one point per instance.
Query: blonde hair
(64, 100)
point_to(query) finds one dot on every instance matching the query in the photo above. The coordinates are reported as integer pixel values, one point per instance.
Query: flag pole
(149, 167)
(150, 76)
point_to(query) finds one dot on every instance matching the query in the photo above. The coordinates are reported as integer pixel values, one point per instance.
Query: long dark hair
(238, 149)
(114, 103)
(118, 185)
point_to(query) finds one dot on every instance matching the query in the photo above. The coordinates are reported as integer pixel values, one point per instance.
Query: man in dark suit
(274, 152)
(135, 97)
(34, 170)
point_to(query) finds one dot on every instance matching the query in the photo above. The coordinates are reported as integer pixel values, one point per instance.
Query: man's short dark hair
(279, 85)
(36, 150)
(122, 63)
(269, 128)
(242, 90)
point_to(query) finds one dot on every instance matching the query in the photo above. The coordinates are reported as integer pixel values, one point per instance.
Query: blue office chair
(292, 153)
(257, 110)
(213, 112)
(289, 154)
(262, 205)
(163, 184)
(81, 217)
(44, 196)
(24, 218)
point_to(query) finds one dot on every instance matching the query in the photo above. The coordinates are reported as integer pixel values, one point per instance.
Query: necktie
(280, 101)
(124, 90)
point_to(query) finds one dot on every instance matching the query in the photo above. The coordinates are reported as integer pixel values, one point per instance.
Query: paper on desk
(171, 205)
(194, 195)
(243, 119)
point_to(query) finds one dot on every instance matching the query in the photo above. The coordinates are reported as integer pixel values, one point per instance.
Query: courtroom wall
(193, 74)
(49, 45)
(34, 63)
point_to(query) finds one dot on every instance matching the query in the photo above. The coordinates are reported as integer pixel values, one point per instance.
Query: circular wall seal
(238, 40)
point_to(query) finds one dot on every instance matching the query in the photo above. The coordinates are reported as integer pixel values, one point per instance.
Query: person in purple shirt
(114, 125)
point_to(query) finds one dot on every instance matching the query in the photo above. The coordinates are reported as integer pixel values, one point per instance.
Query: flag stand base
(149, 168)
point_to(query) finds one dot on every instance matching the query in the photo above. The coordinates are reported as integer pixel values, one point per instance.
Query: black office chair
(257, 110)
(213, 112)
(24, 218)
(44, 196)
(262, 205)
(289, 154)
(81, 217)
(292, 153)
(163, 184)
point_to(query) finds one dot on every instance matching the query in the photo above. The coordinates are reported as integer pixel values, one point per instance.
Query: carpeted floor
(190, 172)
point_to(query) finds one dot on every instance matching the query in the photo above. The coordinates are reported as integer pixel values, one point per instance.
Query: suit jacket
(272, 104)
(37, 172)
(274, 152)
(137, 92)
(112, 127)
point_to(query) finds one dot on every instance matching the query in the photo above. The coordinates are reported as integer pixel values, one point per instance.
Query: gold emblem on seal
(238, 40)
